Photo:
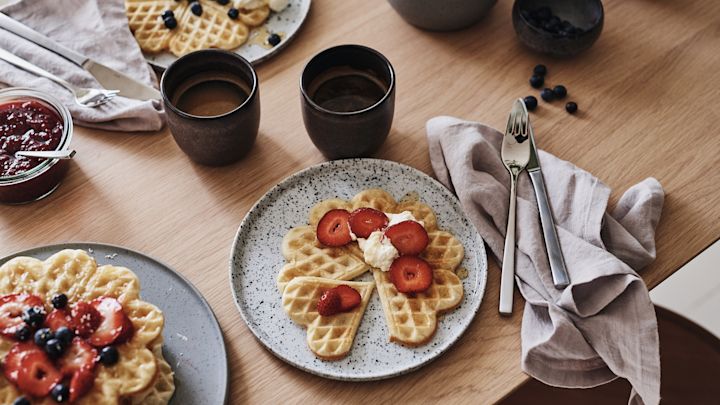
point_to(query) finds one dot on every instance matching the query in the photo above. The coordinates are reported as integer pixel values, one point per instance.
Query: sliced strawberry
(364, 221)
(329, 303)
(12, 308)
(80, 355)
(11, 366)
(37, 374)
(58, 318)
(80, 383)
(334, 229)
(411, 274)
(114, 327)
(408, 237)
(349, 297)
(85, 319)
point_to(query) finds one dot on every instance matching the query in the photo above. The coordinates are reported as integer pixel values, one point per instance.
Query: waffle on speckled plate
(411, 317)
(98, 338)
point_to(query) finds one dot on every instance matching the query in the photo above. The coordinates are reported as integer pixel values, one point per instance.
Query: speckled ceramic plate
(286, 23)
(256, 259)
(194, 344)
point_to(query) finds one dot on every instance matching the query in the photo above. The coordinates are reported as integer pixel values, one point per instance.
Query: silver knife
(107, 77)
(557, 263)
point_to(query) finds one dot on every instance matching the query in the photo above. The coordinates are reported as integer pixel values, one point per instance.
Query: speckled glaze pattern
(256, 259)
(287, 22)
(194, 345)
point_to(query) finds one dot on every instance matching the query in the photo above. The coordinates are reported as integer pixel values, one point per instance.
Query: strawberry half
(85, 319)
(349, 297)
(11, 365)
(334, 229)
(411, 274)
(80, 355)
(80, 383)
(114, 327)
(58, 318)
(364, 221)
(329, 303)
(408, 237)
(12, 307)
(37, 374)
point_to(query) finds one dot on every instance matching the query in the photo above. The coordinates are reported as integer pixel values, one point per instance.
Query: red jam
(26, 125)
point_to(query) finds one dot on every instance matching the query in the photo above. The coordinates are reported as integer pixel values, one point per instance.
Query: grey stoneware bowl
(213, 140)
(442, 15)
(352, 134)
(577, 25)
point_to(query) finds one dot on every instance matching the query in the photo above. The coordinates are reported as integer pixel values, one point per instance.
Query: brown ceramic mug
(213, 106)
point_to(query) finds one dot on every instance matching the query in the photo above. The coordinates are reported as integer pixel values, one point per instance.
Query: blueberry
(540, 70)
(233, 13)
(547, 94)
(42, 336)
(34, 316)
(559, 91)
(60, 301)
(109, 355)
(60, 392)
(530, 103)
(170, 22)
(571, 107)
(223, 2)
(544, 13)
(196, 8)
(54, 348)
(64, 335)
(273, 39)
(537, 81)
(167, 14)
(23, 333)
(21, 401)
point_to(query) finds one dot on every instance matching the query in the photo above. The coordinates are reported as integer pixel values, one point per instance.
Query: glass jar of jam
(31, 120)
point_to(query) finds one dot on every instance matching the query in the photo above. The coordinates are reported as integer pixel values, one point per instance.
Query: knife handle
(560, 276)
(31, 35)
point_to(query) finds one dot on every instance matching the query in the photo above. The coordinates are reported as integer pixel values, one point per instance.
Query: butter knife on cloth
(96, 29)
(602, 325)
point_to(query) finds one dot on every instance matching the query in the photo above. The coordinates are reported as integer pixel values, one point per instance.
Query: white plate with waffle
(248, 35)
(192, 340)
(265, 283)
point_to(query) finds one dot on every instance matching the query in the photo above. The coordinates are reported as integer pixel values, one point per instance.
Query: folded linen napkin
(97, 29)
(603, 324)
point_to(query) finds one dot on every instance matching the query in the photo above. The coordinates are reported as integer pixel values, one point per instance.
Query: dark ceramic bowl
(41, 180)
(213, 140)
(577, 27)
(348, 134)
(442, 15)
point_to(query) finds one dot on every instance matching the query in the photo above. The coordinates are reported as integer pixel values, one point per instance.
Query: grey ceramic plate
(286, 23)
(194, 344)
(256, 260)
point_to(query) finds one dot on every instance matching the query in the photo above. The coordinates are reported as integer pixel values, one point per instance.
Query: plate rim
(65, 245)
(274, 51)
(481, 284)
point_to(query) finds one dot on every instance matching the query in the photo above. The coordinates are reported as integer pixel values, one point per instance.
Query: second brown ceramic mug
(348, 100)
(213, 105)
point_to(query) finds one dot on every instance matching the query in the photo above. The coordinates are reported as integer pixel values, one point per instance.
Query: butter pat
(278, 5)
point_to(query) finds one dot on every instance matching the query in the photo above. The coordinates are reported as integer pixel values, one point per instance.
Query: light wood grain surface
(648, 94)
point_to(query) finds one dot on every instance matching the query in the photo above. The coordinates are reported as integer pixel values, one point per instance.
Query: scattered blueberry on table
(531, 103)
(547, 94)
(196, 8)
(540, 70)
(571, 107)
(233, 13)
(559, 91)
(537, 81)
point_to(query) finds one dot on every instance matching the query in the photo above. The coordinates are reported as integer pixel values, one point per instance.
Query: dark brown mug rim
(391, 85)
(184, 114)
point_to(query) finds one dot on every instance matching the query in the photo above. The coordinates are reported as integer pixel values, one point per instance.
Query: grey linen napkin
(601, 326)
(97, 29)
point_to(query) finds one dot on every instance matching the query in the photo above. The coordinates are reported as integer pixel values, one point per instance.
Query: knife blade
(107, 77)
(552, 244)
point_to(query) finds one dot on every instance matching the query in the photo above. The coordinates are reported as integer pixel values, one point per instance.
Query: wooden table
(648, 93)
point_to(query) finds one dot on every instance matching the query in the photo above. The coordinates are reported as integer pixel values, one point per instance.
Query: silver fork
(84, 96)
(515, 155)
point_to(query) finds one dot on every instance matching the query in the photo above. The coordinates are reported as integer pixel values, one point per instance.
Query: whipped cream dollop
(378, 251)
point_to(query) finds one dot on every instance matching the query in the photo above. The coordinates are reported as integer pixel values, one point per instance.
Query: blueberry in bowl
(558, 27)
